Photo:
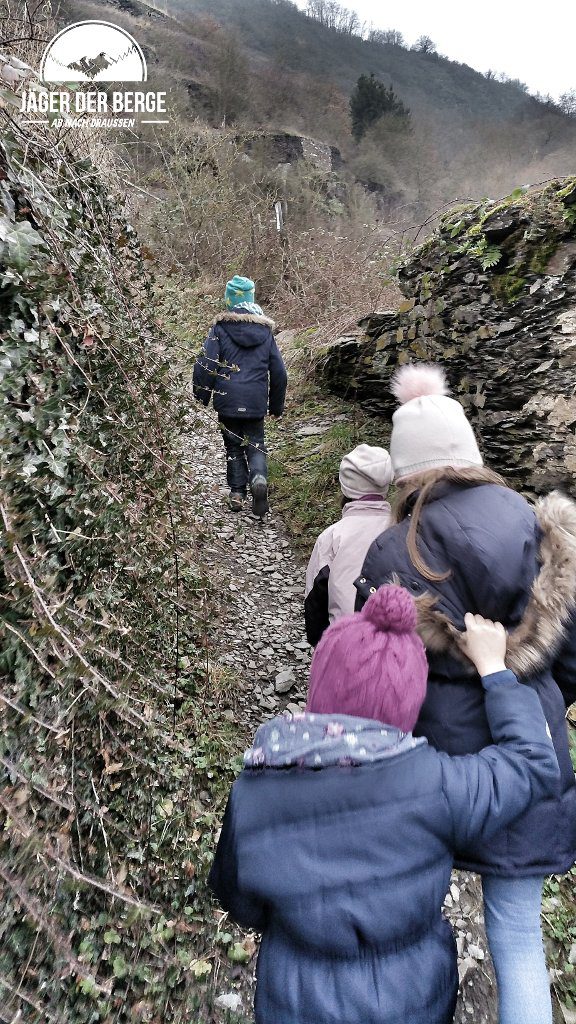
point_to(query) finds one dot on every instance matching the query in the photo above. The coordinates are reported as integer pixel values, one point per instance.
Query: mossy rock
(506, 336)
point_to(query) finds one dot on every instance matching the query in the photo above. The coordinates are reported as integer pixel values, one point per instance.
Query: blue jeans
(512, 916)
(245, 451)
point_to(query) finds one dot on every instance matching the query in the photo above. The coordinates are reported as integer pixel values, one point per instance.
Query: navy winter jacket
(242, 365)
(513, 563)
(344, 868)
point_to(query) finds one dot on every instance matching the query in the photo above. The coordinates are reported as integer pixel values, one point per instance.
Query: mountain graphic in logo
(90, 51)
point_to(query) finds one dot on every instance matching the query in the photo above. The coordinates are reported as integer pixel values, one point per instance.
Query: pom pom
(415, 380)
(392, 610)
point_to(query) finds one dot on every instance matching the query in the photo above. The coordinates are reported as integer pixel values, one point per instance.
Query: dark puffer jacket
(242, 365)
(344, 866)
(516, 564)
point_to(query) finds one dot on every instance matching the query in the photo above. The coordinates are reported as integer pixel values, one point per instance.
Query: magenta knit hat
(372, 664)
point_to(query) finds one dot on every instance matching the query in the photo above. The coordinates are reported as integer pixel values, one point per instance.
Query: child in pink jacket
(339, 552)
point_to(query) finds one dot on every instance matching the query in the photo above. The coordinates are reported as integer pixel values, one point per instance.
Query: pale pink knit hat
(429, 430)
(372, 664)
(365, 470)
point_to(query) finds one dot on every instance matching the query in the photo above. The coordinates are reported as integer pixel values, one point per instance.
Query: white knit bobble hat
(429, 430)
(366, 470)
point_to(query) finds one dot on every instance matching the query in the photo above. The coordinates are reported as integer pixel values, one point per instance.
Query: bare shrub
(216, 218)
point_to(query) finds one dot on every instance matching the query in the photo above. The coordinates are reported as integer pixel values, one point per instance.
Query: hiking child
(464, 541)
(365, 475)
(338, 837)
(242, 366)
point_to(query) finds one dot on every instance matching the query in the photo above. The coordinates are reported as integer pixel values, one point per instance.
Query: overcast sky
(536, 44)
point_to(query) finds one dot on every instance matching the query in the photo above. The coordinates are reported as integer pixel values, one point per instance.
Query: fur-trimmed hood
(244, 341)
(536, 639)
(249, 318)
(498, 555)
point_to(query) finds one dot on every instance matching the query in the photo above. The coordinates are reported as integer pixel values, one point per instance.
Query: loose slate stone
(284, 681)
(312, 431)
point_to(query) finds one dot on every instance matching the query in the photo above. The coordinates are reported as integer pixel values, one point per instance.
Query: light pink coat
(343, 547)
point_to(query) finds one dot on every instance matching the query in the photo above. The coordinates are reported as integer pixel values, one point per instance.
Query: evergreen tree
(370, 101)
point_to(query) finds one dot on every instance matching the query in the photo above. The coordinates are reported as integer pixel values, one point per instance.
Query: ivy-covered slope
(106, 799)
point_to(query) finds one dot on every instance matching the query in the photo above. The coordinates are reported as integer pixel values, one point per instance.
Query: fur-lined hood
(536, 639)
(244, 318)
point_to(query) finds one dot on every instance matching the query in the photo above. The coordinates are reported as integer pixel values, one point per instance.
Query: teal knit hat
(239, 289)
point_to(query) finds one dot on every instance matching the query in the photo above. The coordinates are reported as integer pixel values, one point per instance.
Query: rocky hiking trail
(256, 585)
(257, 635)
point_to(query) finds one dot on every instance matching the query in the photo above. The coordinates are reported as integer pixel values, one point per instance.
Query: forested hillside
(267, 65)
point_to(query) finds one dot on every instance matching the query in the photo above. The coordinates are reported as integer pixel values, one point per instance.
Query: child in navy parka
(338, 838)
(242, 368)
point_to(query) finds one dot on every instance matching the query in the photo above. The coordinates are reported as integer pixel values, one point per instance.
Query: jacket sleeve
(206, 369)
(316, 614)
(564, 666)
(278, 381)
(244, 907)
(486, 791)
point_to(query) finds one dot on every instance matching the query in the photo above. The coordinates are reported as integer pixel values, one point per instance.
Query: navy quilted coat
(242, 365)
(344, 868)
(514, 563)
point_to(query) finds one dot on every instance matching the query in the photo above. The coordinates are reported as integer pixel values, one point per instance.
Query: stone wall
(492, 298)
(288, 148)
(285, 150)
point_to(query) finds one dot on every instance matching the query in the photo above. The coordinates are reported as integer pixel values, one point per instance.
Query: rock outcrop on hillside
(492, 297)
(285, 150)
(289, 148)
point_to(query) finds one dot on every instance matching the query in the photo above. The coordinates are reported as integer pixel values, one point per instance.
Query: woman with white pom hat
(465, 541)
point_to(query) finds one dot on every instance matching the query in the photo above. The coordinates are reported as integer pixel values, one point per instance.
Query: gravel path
(258, 587)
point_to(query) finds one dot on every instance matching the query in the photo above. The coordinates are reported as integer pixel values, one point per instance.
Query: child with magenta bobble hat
(338, 838)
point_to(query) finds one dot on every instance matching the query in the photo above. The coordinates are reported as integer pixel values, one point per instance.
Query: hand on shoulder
(484, 643)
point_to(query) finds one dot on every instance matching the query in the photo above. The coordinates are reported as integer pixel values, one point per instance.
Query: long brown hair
(423, 485)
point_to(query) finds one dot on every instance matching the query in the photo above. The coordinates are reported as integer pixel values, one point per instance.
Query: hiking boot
(235, 501)
(259, 489)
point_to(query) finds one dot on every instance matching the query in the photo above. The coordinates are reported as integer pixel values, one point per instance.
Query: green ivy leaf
(88, 986)
(21, 240)
(200, 968)
(518, 192)
(119, 967)
(238, 955)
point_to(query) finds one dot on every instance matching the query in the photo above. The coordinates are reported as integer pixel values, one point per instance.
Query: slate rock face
(492, 298)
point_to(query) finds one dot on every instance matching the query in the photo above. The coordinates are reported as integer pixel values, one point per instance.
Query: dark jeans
(245, 451)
